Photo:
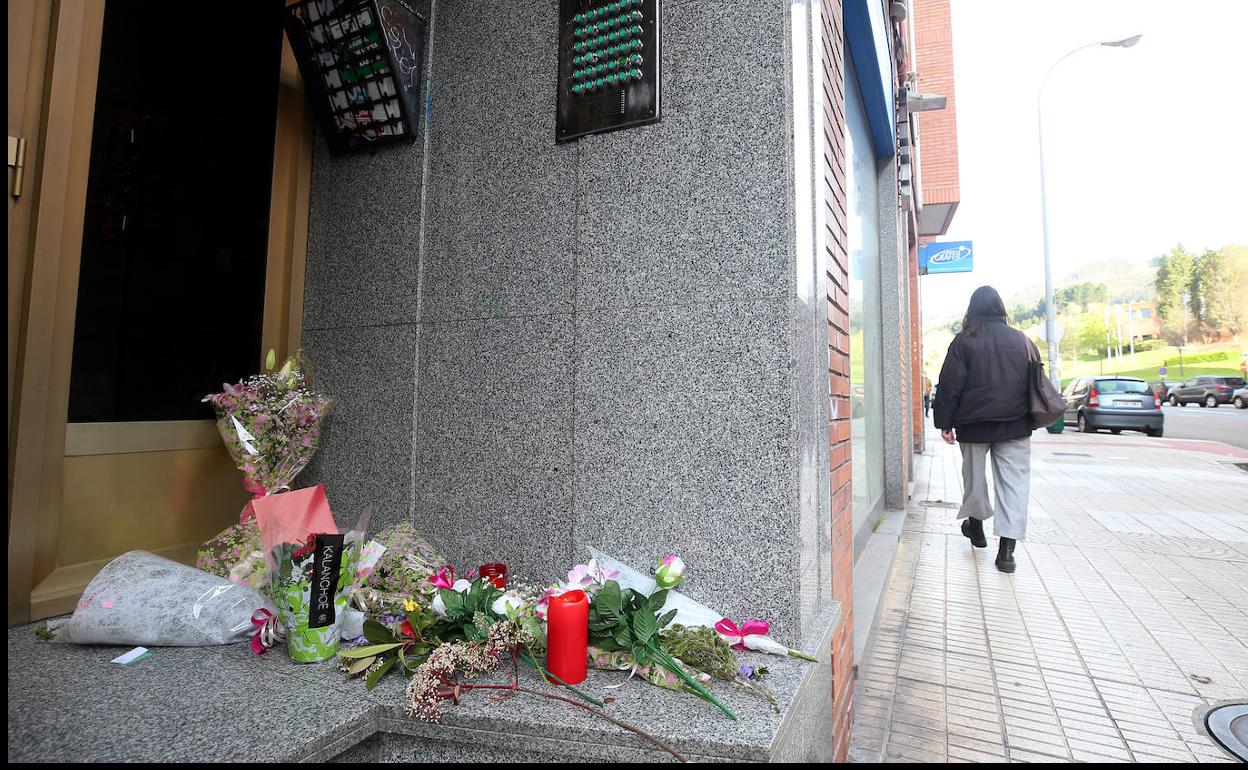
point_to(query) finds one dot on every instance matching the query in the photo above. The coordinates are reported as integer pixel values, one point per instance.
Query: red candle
(567, 636)
(495, 572)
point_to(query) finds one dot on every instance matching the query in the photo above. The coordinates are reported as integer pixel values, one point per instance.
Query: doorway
(165, 243)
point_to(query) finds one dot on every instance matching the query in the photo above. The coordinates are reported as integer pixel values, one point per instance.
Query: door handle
(17, 162)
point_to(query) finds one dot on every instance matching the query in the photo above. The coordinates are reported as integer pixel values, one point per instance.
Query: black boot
(1005, 555)
(974, 529)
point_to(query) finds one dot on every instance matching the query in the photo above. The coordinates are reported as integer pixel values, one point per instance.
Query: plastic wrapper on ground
(688, 612)
(140, 598)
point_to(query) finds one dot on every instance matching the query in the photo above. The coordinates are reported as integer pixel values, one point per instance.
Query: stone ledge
(68, 703)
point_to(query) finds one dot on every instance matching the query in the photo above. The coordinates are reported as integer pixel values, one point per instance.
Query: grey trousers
(1011, 475)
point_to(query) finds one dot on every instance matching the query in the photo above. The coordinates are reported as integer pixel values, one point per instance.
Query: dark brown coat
(984, 379)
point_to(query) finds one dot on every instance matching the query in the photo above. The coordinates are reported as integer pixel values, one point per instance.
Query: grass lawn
(1145, 365)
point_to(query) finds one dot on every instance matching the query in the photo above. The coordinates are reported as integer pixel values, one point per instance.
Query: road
(1226, 424)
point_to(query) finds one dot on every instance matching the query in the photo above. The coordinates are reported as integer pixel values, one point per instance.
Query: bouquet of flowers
(271, 425)
(751, 635)
(312, 584)
(312, 568)
(142, 598)
(405, 570)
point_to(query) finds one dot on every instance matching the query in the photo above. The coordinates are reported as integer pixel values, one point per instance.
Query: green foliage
(1026, 315)
(390, 647)
(628, 621)
(1220, 286)
(625, 620)
(1081, 294)
(1198, 358)
(463, 611)
(1175, 272)
(702, 649)
(1143, 346)
(1092, 334)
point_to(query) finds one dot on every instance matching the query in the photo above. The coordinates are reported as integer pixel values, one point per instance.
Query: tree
(1081, 294)
(1093, 334)
(1175, 274)
(1221, 282)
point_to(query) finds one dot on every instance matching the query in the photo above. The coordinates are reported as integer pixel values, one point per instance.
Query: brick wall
(938, 129)
(833, 68)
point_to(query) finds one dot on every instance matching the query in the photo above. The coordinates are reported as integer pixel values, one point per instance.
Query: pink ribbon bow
(445, 577)
(257, 491)
(734, 636)
(268, 631)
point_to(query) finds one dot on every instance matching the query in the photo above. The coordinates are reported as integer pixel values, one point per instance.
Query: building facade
(698, 335)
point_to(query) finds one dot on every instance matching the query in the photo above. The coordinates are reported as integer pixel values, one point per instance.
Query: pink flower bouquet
(271, 425)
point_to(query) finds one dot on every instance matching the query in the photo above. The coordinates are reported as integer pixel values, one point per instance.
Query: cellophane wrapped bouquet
(271, 425)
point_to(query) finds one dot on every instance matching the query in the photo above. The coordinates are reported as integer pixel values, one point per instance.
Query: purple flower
(747, 671)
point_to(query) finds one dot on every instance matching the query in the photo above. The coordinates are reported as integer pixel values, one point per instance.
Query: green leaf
(358, 667)
(644, 626)
(377, 633)
(640, 654)
(667, 618)
(372, 678)
(423, 621)
(623, 636)
(372, 649)
(270, 360)
(609, 645)
(671, 665)
(608, 599)
(453, 601)
(657, 600)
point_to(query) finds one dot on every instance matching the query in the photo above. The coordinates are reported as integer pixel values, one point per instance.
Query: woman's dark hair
(985, 304)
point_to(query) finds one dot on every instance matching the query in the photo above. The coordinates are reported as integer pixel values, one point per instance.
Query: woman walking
(982, 393)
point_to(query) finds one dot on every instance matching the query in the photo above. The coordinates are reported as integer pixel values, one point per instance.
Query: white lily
(509, 602)
(437, 605)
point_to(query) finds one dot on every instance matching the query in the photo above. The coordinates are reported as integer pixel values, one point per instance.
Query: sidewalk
(1128, 611)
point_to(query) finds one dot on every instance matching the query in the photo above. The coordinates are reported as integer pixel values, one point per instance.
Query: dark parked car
(1162, 387)
(1113, 403)
(1206, 390)
(1240, 398)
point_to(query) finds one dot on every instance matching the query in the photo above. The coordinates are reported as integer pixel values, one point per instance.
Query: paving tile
(1089, 752)
(1087, 652)
(1022, 755)
(1107, 736)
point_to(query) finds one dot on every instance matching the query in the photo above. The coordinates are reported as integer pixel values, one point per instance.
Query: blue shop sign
(950, 257)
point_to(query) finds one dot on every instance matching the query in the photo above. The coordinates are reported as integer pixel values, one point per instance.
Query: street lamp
(1050, 319)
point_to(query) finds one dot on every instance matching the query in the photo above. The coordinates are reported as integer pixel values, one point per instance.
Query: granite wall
(618, 342)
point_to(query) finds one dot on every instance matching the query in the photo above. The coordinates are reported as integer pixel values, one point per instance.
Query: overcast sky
(1145, 146)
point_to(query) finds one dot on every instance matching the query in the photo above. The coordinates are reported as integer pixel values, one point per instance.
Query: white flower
(764, 644)
(587, 576)
(438, 606)
(507, 603)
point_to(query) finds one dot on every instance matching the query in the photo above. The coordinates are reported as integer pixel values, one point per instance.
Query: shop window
(866, 342)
